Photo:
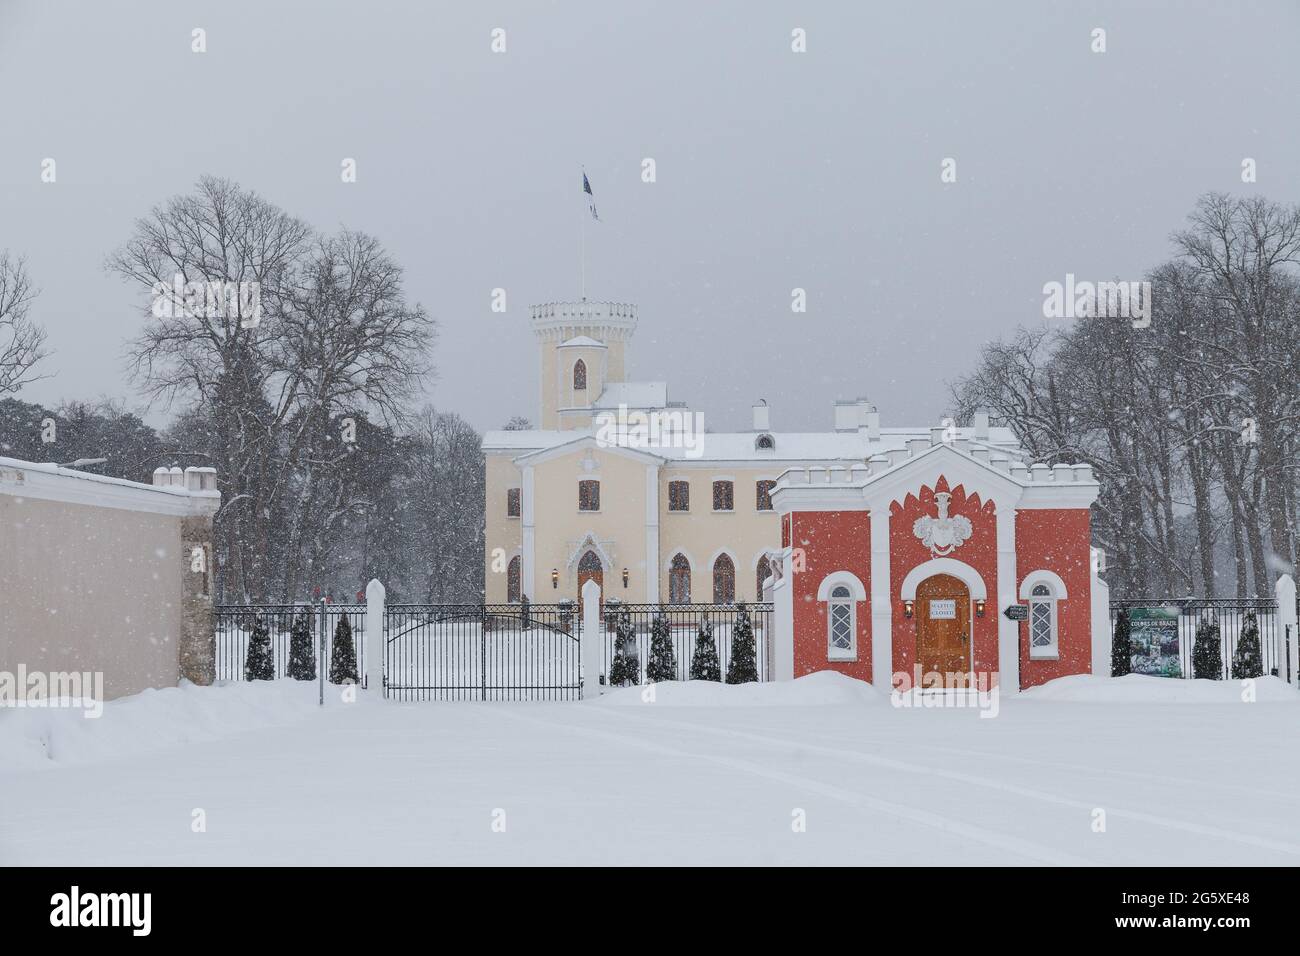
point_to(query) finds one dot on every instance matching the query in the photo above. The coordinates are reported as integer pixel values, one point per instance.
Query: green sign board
(1154, 637)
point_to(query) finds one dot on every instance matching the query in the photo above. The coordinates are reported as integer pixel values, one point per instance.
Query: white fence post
(1287, 657)
(375, 637)
(1101, 636)
(593, 642)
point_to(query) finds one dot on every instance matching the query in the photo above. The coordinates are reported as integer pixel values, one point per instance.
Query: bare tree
(22, 340)
(352, 345)
(1192, 423)
(220, 234)
(335, 335)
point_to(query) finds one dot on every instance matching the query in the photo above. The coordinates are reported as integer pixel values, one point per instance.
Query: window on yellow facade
(763, 495)
(512, 502)
(589, 495)
(679, 580)
(513, 580)
(579, 376)
(724, 580)
(723, 496)
(679, 496)
(762, 574)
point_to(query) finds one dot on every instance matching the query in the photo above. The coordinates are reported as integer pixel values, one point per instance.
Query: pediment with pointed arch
(590, 542)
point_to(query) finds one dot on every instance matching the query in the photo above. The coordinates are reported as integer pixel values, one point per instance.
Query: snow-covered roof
(640, 395)
(958, 459)
(790, 447)
(584, 341)
(49, 481)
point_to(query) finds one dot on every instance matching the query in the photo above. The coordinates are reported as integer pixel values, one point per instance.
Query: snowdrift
(152, 720)
(1145, 689)
(822, 689)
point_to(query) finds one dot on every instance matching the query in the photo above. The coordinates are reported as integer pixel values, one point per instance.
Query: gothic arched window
(762, 574)
(679, 580)
(724, 580)
(579, 376)
(513, 588)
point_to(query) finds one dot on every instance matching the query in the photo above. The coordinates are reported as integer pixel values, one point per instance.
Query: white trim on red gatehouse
(961, 571)
(898, 480)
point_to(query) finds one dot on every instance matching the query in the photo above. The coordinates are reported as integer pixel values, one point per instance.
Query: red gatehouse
(908, 563)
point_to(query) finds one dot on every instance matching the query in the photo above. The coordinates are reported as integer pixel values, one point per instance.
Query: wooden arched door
(943, 631)
(590, 569)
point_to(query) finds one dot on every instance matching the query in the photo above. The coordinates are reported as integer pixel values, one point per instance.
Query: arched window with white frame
(1044, 590)
(841, 625)
(841, 591)
(1042, 622)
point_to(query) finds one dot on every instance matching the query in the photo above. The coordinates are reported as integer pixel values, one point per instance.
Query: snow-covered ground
(1184, 771)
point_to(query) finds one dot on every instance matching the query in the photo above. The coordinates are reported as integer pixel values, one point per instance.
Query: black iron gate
(482, 652)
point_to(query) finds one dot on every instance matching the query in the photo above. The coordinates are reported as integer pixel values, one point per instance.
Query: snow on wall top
(192, 491)
(789, 447)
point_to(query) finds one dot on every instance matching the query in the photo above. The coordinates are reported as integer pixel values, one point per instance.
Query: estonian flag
(591, 203)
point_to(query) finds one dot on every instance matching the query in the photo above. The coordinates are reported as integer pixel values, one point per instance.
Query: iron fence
(234, 627)
(482, 652)
(1230, 614)
(684, 623)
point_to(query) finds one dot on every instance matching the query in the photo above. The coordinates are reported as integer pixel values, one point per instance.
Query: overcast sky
(775, 169)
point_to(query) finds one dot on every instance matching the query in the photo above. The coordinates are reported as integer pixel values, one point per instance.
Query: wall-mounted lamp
(555, 577)
(907, 608)
(625, 577)
(979, 608)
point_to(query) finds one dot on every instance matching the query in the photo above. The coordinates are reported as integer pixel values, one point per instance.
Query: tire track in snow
(891, 763)
(1110, 772)
(936, 821)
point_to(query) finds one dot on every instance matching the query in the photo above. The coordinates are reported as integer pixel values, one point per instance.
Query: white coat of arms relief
(945, 533)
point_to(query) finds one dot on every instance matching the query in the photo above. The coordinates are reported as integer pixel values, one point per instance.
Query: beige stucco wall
(745, 533)
(604, 365)
(88, 588)
(547, 399)
(500, 531)
(570, 398)
(620, 525)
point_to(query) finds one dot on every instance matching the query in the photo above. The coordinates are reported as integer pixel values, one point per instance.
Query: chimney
(762, 416)
(871, 425)
(846, 415)
(981, 423)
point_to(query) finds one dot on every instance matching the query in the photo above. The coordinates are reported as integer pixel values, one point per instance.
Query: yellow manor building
(625, 487)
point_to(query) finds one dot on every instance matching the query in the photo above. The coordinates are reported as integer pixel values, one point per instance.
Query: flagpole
(582, 244)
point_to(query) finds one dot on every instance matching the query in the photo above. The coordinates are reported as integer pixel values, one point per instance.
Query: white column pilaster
(651, 572)
(882, 607)
(1008, 631)
(527, 544)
